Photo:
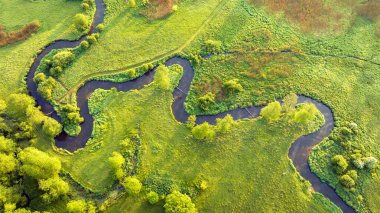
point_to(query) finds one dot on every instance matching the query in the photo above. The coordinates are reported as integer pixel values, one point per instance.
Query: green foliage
(70, 118)
(206, 101)
(51, 127)
(7, 145)
(18, 105)
(306, 113)
(8, 164)
(85, 6)
(38, 164)
(179, 203)
(191, 121)
(132, 185)
(347, 181)
(370, 162)
(3, 106)
(232, 86)
(223, 125)
(340, 163)
(84, 45)
(272, 111)
(153, 197)
(92, 39)
(46, 86)
(203, 131)
(212, 47)
(132, 3)
(162, 77)
(289, 103)
(54, 188)
(80, 206)
(100, 27)
(117, 162)
(81, 22)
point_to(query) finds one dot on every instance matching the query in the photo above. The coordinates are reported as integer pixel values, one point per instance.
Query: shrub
(370, 162)
(175, 8)
(84, 45)
(80, 22)
(19, 35)
(191, 121)
(272, 111)
(359, 163)
(206, 100)
(347, 181)
(203, 131)
(177, 202)
(306, 113)
(132, 3)
(92, 39)
(212, 46)
(3, 106)
(353, 174)
(289, 103)
(162, 77)
(132, 185)
(232, 86)
(153, 197)
(340, 164)
(100, 27)
(80, 206)
(117, 162)
(223, 125)
(54, 188)
(85, 6)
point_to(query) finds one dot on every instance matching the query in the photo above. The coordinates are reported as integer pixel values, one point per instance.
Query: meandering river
(299, 151)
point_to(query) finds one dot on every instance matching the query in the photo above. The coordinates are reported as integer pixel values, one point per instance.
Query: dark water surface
(299, 151)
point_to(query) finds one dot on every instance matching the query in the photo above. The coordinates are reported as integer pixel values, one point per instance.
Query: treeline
(18, 35)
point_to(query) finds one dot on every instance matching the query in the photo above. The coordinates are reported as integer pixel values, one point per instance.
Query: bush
(177, 202)
(340, 164)
(272, 111)
(203, 131)
(206, 100)
(353, 174)
(232, 86)
(80, 22)
(84, 45)
(54, 188)
(370, 162)
(223, 125)
(117, 162)
(289, 103)
(132, 3)
(153, 197)
(212, 46)
(162, 77)
(100, 27)
(347, 181)
(80, 206)
(306, 113)
(132, 185)
(92, 39)
(85, 6)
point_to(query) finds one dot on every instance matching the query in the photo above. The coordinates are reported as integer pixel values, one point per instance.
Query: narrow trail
(298, 152)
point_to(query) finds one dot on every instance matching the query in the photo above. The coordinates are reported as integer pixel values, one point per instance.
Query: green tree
(272, 111)
(38, 164)
(213, 46)
(3, 106)
(177, 202)
(306, 113)
(132, 3)
(206, 101)
(232, 86)
(7, 145)
(340, 164)
(347, 181)
(54, 188)
(162, 77)
(370, 162)
(8, 164)
(117, 162)
(77, 206)
(223, 125)
(153, 197)
(80, 22)
(203, 131)
(51, 127)
(289, 103)
(18, 106)
(132, 185)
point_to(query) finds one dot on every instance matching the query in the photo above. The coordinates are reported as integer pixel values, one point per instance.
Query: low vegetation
(18, 35)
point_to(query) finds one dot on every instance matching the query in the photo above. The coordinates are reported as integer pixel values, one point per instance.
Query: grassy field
(246, 169)
(55, 18)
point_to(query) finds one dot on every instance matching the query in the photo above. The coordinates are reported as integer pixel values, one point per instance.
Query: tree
(8, 164)
(289, 103)
(132, 185)
(223, 125)
(206, 100)
(232, 86)
(306, 113)
(203, 131)
(7, 145)
(347, 181)
(77, 206)
(51, 127)
(340, 164)
(3, 106)
(162, 77)
(18, 105)
(54, 188)
(370, 162)
(117, 162)
(213, 46)
(38, 164)
(177, 202)
(132, 3)
(272, 111)
(153, 197)
(80, 22)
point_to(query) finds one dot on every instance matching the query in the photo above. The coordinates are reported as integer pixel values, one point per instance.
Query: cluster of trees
(232, 86)
(212, 47)
(162, 77)
(70, 118)
(206, 101)
(23, 167)
(353, 159)
(177, 202)
(80, 206)
(304, 113)
(81, 20)
(205, 131)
